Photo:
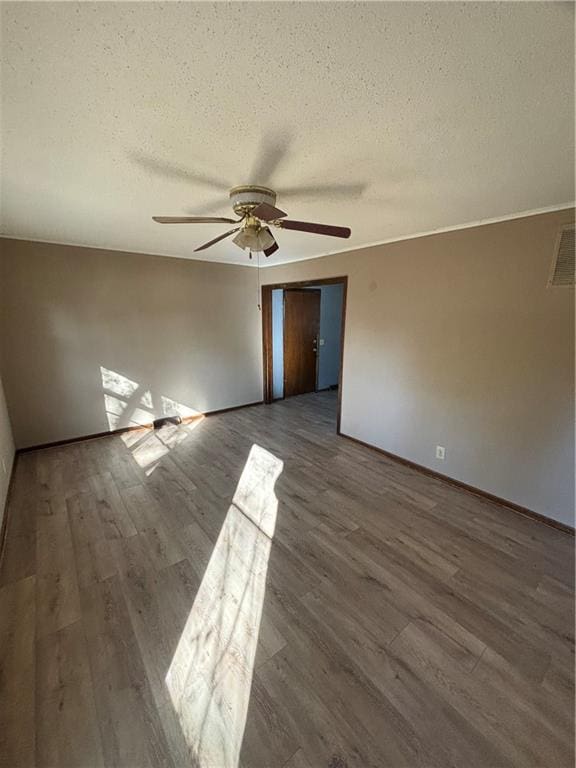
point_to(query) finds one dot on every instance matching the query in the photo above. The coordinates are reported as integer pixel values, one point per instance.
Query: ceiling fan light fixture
(254, 238)
(265, 239)
(245, 198)
(247, 239)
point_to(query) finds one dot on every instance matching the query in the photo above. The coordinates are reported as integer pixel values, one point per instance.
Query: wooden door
(301, 329)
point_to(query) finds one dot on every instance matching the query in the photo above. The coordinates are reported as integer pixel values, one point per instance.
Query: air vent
(164, 420)
(564, 266)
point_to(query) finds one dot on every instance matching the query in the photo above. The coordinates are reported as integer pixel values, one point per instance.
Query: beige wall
(6, 451)
(451, 340)
(455, 340)
(97, 339)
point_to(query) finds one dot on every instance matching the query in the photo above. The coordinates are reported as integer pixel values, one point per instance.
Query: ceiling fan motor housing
(245, 199)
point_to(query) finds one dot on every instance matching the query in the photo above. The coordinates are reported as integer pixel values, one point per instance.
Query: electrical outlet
(440, 452)
(322, 342)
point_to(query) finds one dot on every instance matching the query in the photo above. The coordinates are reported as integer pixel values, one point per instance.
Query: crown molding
(268, 265)
(439, 231)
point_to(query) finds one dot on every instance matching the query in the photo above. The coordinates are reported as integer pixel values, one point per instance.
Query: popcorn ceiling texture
(434, 114)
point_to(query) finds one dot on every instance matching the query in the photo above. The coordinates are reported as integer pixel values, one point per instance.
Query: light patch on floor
(149, 446)
(210, 676)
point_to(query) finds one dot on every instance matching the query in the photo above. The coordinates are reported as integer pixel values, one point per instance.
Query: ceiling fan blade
(268, 212)
(219, 207)
(317, 229)
(324, 191)
(271, 248)
(176, 172)
(271, 152)
(193, 220)
(216, 240)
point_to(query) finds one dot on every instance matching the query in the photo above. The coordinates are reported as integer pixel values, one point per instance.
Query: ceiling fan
(256, 207)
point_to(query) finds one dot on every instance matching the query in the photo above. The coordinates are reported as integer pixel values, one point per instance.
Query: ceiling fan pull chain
(258, 279)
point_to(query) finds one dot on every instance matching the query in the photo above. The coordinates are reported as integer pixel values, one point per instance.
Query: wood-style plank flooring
(404, 622)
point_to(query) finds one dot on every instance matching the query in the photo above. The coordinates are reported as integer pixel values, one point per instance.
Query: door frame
(267, 332)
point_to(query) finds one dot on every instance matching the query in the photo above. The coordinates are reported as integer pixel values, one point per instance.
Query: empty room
(287, 402)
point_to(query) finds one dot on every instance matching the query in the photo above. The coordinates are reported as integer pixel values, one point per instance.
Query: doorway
(303, 338)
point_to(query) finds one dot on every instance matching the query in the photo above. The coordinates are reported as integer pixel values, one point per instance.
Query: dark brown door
(301, 328)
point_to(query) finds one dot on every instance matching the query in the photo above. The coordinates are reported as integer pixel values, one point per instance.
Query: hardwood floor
(404, 621)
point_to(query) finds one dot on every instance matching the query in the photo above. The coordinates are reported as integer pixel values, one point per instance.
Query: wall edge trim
(568, 206)
(517, 508)
(4, 528)
(396, 239)
(123, 430)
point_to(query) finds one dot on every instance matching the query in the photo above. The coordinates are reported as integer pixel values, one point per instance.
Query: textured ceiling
(392, 118)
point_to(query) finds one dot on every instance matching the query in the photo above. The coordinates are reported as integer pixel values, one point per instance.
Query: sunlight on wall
(128, 403)
(210, 676)
(116, 408)
(170, 407)
(125, 401)
(118, 383)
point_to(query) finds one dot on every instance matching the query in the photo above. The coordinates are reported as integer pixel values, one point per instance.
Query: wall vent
(564, 263)
(164, 420)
